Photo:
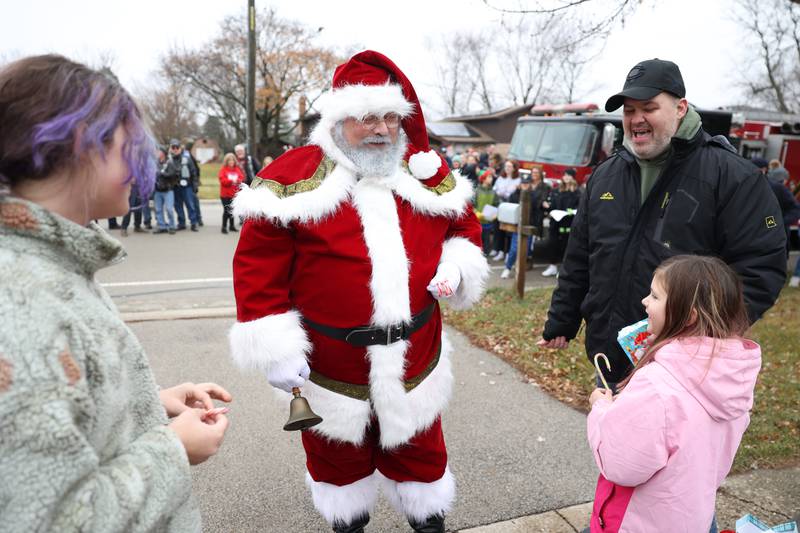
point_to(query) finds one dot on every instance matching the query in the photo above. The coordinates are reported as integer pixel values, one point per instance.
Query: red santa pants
(422, 459)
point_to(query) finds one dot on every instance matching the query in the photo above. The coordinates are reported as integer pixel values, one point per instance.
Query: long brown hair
(704, 299)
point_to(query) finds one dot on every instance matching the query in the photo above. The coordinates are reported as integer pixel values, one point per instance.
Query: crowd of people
(496, 181)
(175, 200)
(338, 276)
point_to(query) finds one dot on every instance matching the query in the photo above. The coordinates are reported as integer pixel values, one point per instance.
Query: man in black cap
(671, 189)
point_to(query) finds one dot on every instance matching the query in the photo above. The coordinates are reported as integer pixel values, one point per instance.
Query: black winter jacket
(707, 201)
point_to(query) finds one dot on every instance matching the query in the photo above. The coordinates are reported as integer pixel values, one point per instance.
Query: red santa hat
(370, 83)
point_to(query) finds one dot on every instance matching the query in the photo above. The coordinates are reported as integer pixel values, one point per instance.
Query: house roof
(457, 132)
(503, 113)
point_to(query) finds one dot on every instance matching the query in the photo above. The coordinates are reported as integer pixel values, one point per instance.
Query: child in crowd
(504, 186)
(484, 196)
(85, 439)
(666, 442)
(231, 178)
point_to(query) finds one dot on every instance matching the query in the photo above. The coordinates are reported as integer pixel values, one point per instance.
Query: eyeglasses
(392, 121)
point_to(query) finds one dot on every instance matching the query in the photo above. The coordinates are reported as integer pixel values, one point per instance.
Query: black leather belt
(371, 335)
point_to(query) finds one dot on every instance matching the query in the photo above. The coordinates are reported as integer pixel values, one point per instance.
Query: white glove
(289, 373)
(446, 281)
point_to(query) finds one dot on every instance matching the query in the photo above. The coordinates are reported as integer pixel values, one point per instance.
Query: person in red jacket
(348, 245)
(230, 179)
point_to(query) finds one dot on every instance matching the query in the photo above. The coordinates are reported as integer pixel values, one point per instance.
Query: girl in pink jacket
(666, 442)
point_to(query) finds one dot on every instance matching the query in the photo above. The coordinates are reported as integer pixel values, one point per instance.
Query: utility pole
(251, 78)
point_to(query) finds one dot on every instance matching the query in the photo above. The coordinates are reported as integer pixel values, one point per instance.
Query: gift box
(633, 340)
(750, 524)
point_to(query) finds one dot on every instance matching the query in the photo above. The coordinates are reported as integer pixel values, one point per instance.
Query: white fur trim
(424, 165)
(389, 284)
(361, 100)
(346, 419)
(259, 343)
(474, 271)
(417, 500)
(401, 415)
(450, 204)
(311, 206)
(346, 502)
(343, 418)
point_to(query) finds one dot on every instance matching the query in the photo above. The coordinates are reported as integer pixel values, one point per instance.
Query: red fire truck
(770, 140)
(557, 137)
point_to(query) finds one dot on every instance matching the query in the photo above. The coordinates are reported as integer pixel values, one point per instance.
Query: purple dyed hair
(52, 101)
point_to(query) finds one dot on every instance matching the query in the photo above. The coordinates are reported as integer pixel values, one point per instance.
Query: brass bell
(301, 417)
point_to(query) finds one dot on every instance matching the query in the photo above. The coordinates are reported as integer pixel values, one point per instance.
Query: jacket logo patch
(770, 222)
(606, 196)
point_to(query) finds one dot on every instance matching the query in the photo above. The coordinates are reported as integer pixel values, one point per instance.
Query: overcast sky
(696, 34)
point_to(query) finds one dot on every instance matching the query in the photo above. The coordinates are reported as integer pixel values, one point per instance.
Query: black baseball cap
(646, 80)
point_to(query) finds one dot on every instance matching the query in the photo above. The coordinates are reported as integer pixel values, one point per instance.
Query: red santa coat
(320, 243)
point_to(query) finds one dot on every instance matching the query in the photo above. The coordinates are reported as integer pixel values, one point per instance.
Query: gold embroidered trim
(445, 186)
(361, 392)
(324, 169)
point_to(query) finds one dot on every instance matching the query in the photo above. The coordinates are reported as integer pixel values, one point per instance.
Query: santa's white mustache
(376, 139)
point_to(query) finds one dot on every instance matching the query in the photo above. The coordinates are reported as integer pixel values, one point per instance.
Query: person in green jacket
(87, 440)
(485, 195)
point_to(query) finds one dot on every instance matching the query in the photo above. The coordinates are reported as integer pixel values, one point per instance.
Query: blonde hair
(229, 155)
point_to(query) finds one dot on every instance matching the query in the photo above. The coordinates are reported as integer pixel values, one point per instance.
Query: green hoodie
(651, 168)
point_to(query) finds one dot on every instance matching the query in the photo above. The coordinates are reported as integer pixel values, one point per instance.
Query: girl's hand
(600, 393)
(181, 397)
(201, 436)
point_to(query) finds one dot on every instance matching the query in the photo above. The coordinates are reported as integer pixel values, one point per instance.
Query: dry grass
(509, 328)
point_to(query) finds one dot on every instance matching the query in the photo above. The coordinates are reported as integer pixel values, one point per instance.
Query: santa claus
(347, 247)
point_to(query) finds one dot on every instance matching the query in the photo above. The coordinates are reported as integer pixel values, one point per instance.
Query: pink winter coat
(667, 441)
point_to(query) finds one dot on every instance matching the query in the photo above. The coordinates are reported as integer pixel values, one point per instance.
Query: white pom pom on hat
(424, 165)
(369, 82)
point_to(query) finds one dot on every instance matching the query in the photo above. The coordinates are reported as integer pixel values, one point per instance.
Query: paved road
(514, 450)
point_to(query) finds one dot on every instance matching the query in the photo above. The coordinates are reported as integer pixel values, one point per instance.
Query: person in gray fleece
(87, 440)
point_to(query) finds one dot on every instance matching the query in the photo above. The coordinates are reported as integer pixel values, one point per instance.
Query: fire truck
(557, 137)
(770, 140)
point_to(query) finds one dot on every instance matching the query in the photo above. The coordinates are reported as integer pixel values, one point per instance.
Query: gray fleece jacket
(83, 442)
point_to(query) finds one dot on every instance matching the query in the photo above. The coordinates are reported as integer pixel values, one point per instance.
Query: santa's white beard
(373, 161)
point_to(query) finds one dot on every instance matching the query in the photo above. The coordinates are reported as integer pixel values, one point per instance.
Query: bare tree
(591, 18)
(168, 110)
(480, 66)
(529, 53)
(288, 66)
(454, 83)
(773, 26)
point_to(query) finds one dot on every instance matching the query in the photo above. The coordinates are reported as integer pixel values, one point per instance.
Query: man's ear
(683, 107)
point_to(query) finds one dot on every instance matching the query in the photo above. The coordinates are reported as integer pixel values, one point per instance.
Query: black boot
(432, 524)
(224, 223)
(355, 526)
(233, 228)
